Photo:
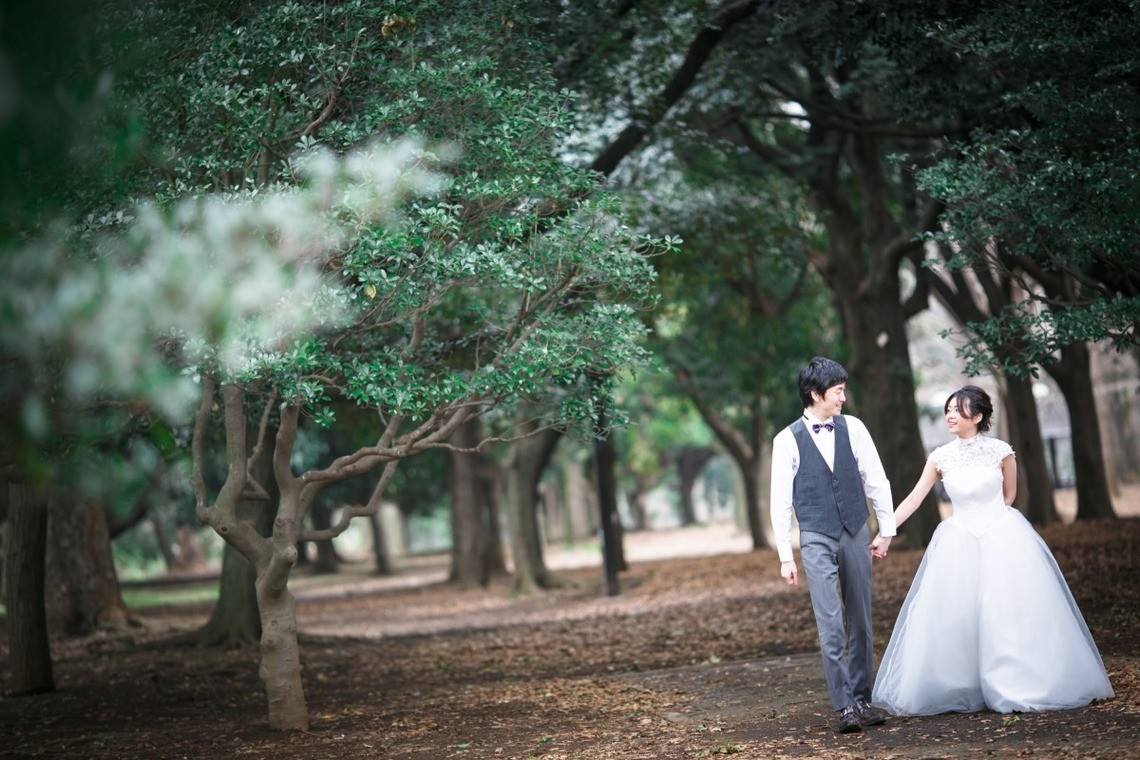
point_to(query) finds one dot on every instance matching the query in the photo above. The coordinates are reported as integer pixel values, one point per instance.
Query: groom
(824, 467)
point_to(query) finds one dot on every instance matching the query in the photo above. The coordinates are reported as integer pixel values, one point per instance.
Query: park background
(336, 294)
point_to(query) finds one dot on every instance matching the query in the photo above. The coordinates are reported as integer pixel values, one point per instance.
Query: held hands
(788, 572)
(879, 546)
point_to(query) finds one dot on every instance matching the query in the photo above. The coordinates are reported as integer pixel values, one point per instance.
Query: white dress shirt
(786, 462)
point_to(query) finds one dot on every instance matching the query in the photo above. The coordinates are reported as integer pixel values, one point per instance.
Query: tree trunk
(468, 529)
(191, 556)
(604, 457)
(84, 587)
(489, 478)
(619, 542)
(235, 621)
(380, 545)
(1072, 374)
(1036, 497)
(4, 496)
(162, 538)
(531, 455)
(273, 557)
(327, 561)
(746, 452)
(636, 498)
(753, 495)
(691, 461)
(280, 668)
(1106, 416)
(1117, 379)
(579, 515)
(970, 302)
(881, 394)
(29, 653)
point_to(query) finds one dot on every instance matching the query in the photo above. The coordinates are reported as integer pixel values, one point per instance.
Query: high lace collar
(979, 451)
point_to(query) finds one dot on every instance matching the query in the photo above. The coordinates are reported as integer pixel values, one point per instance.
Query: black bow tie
(826, 426)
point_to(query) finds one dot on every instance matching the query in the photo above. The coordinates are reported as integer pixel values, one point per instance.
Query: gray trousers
(839, 579)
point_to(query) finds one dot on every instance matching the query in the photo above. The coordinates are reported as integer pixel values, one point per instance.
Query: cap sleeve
(936, 458)
(1002, 449)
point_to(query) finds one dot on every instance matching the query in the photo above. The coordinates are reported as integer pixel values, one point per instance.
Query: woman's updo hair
(970, 400)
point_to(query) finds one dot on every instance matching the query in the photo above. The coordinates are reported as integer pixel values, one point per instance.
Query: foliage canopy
(1045, 189)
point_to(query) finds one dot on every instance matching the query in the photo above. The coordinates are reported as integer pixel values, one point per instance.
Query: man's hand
(879, 546)
(788, 572)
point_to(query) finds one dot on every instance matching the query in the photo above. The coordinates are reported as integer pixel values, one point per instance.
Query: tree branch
(222, 516)
(904, 243)
(198, 448)
(738, 447)
(257, 489)
(659, 105)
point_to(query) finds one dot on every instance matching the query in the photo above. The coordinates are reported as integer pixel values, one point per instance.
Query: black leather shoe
(869, 715)
(846, 721)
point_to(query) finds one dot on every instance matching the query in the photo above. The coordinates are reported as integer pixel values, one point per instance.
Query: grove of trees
(414, 230)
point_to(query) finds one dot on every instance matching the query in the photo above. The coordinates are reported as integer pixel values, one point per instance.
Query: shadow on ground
(780, 705)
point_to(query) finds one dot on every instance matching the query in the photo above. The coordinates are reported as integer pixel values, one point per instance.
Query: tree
(812, 92)
(484, 294)
(83, 342)
(523, 468)
(104, 490)
(107, 348)
(1038, 191)
(57, 419)
(24, 550)
(1037, 194)
(662, 421)
(613, 557)
(475, 552)
(477, 298)
(234, 620)
(423, 402)
(742, 307)
(971, 297)
(83, 586)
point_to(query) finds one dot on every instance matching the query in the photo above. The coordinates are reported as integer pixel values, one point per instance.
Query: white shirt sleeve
(875, 483)
(785, 462)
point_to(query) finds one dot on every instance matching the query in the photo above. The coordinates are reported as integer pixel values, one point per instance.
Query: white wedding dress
(989, 622)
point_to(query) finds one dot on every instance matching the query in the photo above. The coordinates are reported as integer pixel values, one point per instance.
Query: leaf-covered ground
(698, 656)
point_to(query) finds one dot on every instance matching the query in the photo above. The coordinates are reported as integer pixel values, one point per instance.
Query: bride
(989, 622)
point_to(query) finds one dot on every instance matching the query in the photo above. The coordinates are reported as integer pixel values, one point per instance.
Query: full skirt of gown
(989, 623)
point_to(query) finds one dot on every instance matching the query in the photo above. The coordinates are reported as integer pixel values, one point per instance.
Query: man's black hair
(820, 374)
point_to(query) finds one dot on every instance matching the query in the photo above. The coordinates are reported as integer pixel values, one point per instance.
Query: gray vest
(828, 501)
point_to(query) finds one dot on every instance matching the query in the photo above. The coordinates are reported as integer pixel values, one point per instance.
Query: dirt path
(778, 705)
(699, 656)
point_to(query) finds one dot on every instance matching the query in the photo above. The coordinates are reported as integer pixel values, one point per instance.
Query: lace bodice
(978, 451)
(971, 472)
